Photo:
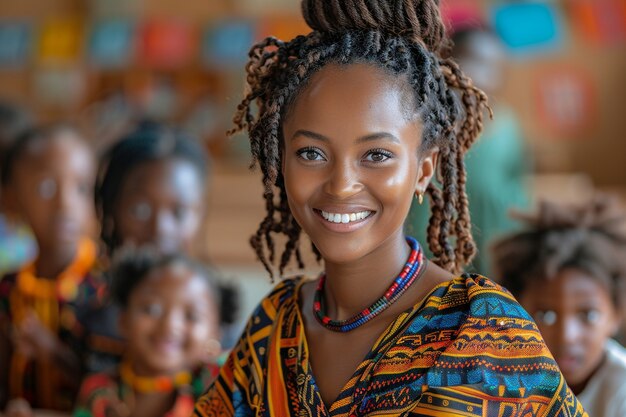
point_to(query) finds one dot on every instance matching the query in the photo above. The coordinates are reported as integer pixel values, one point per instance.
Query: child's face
(576, 316)
(161, 203)
(351, 162)
(169, 320)
(52, 189)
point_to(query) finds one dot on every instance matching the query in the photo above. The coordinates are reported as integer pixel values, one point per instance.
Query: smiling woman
(353, 122)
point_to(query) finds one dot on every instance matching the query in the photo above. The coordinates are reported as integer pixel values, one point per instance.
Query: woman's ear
(427, 167)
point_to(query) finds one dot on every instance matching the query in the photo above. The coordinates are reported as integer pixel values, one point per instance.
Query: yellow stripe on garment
(275, 380)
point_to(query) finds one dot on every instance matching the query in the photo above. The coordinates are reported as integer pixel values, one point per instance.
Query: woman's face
(576, 316)
(351, 162)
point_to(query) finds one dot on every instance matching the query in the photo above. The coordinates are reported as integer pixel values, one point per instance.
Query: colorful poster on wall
(528, 28)
(565, 99)
(60, 40)
(601, 21)
(462, 14)
(15, 40)
(227, 43)
(111, 44)
(166, 43)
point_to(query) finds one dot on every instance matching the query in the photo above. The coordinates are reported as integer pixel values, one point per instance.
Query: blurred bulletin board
(585, 46)
(568, 93)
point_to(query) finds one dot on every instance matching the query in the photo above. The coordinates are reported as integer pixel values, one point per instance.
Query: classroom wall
(592, 149)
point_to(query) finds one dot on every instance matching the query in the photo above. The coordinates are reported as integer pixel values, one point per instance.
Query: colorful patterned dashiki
(103, 395)
(469, 349)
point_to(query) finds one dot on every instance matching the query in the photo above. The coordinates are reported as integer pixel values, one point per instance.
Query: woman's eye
(180, 212)
(310, 154)
(152, 309)
(142, 211)
(47, 188)
(591, 316)
(192, 316)
(547, 317)
(378, 155)
(85, 189)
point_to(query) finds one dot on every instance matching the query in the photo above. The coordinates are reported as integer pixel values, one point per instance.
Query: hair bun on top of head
(417, 20)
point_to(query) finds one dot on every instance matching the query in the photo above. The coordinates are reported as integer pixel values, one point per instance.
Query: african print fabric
(57, 304)
(104, 395)
(469, 349)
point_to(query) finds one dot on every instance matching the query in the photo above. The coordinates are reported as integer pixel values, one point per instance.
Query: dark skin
(366, 160)
(576, 316)
(169, 318)
(51, 189)
(162, 203)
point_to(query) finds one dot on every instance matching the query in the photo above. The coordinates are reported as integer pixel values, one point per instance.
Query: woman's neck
(351, 287)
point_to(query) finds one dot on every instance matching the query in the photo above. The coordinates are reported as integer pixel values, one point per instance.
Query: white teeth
(345, 217)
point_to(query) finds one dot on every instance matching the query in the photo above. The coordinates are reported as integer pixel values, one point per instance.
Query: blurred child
(170, 308)
(17, 245)
(151, 190)
(47, 178)
(568, 270)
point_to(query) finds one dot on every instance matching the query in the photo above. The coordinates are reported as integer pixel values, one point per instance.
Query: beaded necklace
(411, 272)
(152, 384)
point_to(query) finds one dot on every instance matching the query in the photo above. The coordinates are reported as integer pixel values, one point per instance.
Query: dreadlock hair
(402, 37)
(132, 265)
(589, 237)
(147, 143)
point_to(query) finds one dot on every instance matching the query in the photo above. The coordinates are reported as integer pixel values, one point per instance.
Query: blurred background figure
(151, 191)
(567, 269)
(170, 318)
(498, 165)
(17, 245)
(47, 180)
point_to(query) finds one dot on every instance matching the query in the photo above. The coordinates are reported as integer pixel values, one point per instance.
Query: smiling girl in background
(170, 309)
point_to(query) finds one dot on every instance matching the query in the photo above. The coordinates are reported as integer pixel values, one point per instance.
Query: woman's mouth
(345, 218)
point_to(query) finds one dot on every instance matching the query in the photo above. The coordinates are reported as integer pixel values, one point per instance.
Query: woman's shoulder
(282, 296)
(487, 298)
(490, 319)
(283, 293)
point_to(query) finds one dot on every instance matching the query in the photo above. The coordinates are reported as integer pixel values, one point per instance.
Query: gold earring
(420, 197)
